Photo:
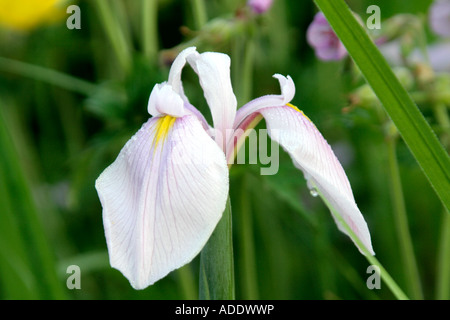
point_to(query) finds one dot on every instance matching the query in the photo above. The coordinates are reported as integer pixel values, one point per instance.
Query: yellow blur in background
(25, 15)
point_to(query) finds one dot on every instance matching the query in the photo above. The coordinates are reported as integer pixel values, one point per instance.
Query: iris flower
(166, 191)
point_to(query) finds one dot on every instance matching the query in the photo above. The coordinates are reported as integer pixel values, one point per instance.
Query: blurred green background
(57, 134)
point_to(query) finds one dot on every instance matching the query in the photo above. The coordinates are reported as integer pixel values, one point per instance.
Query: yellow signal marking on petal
(297, 109)
(163, 126)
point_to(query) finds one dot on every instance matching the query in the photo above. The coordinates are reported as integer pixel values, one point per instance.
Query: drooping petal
(247, 113)
(312, 154)
(162, 198)
(213, 70)
(287, 94)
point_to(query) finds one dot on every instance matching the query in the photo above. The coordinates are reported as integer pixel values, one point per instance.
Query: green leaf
(28, 255)
(400, 107)
(216, 262)
(47, 75)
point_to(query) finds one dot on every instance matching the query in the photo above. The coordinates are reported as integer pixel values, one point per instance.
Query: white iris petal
(161, 198)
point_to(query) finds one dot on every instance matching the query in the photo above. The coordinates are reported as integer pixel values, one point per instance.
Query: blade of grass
(199, 13)
(39, 253)
(385, 276)
(47, 75)
(115, 33)
(149, 29)
(443, 269)
(87, 261)
(411, 271)
(16, 277)
(187, 282)
(408, 119)
(247, 259)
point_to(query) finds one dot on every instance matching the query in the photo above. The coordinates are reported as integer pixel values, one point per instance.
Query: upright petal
(177, 67)
(312, 154)
(168, 97)
(162, 198)
(213, 70)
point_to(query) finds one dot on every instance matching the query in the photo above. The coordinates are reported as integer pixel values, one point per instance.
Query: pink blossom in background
(322, 38)
(438, 54)
(260, 6)
(439, 17)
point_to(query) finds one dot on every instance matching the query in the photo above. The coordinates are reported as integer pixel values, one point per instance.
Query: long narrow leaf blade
(415, 131)
(217, 263)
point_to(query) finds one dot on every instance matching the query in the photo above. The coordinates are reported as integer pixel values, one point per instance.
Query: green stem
(243, 56)
(149, 29)
(395, 289)
(236, 66)
(216, 262)
(39, 251)
(247, 256)
(47, 75)
(421, 97)
(200, 15)
(115, 34)
(401, 221)
(443, 270)
(247, 70)
(187, 283)
(385, 276)
(441, 114)
(422, 38)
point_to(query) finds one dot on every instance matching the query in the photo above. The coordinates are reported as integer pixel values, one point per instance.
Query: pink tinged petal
(312, 154)
(238, 135)
(193, 110)
(287, 94)
(213, 70)
(162, 198)
(247, 113)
